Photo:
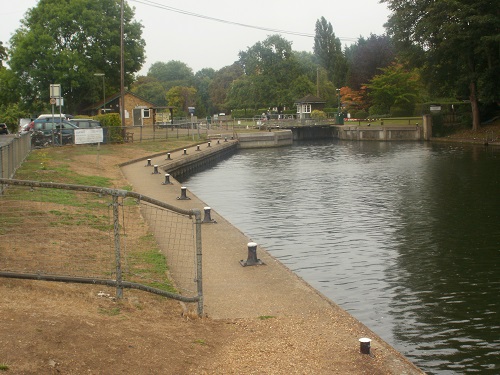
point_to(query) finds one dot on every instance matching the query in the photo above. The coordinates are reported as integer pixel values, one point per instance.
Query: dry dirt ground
(52, 328)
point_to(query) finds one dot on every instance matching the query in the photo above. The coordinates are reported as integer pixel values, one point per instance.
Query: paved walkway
(232, 291)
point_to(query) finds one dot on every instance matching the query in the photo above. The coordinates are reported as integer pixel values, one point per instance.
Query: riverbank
(272, 292)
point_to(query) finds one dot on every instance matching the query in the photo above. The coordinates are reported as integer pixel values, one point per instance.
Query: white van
(56, 115)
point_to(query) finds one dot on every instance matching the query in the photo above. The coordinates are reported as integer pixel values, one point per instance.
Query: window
(306, 108)
(145, 113)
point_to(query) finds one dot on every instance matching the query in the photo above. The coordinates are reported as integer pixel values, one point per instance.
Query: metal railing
(94, 235)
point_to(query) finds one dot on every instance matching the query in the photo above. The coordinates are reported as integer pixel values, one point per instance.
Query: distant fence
(85, 234)
(13, 151)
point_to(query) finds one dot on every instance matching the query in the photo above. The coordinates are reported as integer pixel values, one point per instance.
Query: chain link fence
(85, 234)
(13, 150)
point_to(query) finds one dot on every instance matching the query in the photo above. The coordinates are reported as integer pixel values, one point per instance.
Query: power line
(185, 12)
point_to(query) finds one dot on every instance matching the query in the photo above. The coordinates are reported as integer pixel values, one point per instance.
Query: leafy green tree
(366, 57)
(395, 87)
(3, 54)
(456, 42)
(172, 73)
(203, 79)
(272, 67)
(66, 42)
(150, 89)
(221, 84)
(181, 98)
(328, 50)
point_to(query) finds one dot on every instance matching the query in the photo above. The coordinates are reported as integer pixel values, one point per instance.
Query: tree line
(442, 51)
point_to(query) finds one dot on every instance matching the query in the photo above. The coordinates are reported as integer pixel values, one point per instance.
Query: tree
(456, 42)
(150, 89)
(203, 79)
(366, 57)
(181, 98)
(221, 84)
(3, 54)
(172, 73)
(271, 66)
(395, 87)
(66, 42)
(328, 50)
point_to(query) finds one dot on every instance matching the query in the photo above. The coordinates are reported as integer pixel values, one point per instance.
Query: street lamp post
(103, 91)
(338, 100)
(337, 120)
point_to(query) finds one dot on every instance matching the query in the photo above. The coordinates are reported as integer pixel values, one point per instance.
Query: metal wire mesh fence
(86, 234)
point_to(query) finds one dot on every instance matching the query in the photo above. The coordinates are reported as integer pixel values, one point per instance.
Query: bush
(401, 111)
(360, 114)
(112, 125)
(377, 111)
(318, 115)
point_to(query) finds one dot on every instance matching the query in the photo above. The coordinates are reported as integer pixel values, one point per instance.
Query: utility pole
(122, 63)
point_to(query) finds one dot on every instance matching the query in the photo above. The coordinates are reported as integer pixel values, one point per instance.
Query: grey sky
(205, 43)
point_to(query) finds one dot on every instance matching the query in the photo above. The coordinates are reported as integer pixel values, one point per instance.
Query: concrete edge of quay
(249, 292)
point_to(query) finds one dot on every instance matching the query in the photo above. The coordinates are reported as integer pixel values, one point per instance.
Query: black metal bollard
(364, 345)
(155, 169)
(208, 144)
(225, 139)
(167, 180)
(185, 151)
(149, 163)
(207, 218)
(168, 156)
(218, 141)
(252, 256)
(183, 196)
(198, 148)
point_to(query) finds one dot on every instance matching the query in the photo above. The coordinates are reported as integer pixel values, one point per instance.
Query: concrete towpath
(232, 291)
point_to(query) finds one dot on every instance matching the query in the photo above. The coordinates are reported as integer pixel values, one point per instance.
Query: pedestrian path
(232, 291)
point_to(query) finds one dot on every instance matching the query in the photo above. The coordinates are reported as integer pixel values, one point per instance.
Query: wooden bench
(129, 137)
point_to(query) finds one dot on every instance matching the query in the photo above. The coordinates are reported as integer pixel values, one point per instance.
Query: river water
(404, 236)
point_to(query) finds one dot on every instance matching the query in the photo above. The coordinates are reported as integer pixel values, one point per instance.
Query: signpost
(95, 135)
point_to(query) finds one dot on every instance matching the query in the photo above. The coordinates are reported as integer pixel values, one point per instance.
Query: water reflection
(404, 236)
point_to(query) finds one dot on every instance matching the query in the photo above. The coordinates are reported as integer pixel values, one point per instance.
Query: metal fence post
(199, 278)
(116, 228)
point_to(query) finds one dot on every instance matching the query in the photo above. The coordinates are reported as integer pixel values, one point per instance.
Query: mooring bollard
(207, 218)
(183, 194)
(167, 180)
(168, 156)
(364, 345)
(149, 163)
(185, 151)
(198, 148)
(252, 256)
(208, 144)
(225, 139)
(218, 141)
(155, 169)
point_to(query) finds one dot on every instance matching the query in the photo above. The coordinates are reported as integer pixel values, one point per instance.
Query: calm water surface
(404, 236)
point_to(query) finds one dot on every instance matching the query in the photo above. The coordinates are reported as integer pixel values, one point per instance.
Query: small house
(307, 104)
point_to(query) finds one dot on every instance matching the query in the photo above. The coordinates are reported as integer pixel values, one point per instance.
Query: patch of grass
(150, 265)
(200, 342)
(4, 367)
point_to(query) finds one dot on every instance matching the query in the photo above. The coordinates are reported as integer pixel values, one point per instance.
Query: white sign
(55, 90)
(88, 136)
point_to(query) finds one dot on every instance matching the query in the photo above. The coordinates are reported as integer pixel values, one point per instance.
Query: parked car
(4, 129)
(56, 116)
(85, 123)
(49, 128)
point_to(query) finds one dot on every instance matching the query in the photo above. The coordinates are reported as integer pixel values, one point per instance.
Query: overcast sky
(200, 41)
